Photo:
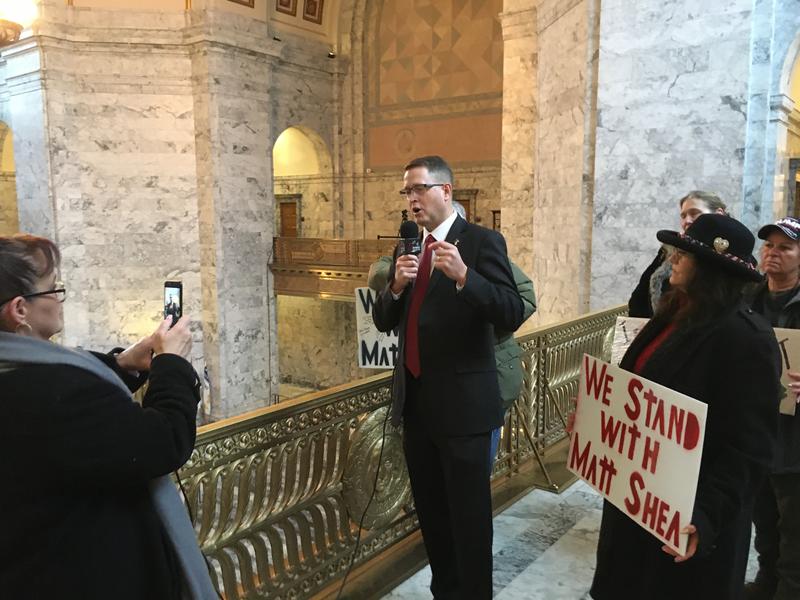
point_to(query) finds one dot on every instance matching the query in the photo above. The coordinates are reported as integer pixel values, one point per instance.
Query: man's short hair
(436, 165)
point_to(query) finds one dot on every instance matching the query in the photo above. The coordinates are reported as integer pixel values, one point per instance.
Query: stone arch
(785, 115)
(9, 210)
(303, 183)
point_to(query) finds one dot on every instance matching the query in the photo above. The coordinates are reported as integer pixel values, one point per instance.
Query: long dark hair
(711, 292)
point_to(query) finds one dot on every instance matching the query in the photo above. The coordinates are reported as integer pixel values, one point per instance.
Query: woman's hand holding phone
(177, 340)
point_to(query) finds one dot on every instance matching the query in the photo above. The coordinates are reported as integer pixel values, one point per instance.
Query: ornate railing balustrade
(278, 494)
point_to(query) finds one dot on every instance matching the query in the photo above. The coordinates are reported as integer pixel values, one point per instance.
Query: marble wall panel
(306, 330)
(236, 215)
(672, 104)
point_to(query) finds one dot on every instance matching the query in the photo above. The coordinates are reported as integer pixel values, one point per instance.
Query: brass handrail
(278, 493)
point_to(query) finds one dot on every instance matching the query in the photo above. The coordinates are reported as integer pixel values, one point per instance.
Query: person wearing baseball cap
(702, 341)
(777, 510)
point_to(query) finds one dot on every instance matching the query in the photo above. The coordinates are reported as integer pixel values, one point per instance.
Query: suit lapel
(459, 225)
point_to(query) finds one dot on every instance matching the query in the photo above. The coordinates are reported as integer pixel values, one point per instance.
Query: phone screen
(173, 300)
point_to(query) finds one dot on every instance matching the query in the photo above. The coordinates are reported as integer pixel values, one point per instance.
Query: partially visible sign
(626, 329)
(376, 350)
(639, 444)
(789, 343)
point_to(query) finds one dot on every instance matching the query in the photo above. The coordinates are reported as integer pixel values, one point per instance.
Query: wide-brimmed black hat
(719, 240)
(789, 226)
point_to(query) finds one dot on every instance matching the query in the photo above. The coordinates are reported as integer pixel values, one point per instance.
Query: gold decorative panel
(437, 50)
(434, 65)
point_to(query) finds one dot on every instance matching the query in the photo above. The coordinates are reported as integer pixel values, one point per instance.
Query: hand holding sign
(691, 547)
(794, 385)
(640, 444)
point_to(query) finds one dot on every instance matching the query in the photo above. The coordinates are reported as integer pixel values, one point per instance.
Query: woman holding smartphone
(90, 511)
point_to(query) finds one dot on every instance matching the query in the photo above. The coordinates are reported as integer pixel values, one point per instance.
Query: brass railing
(278, 493)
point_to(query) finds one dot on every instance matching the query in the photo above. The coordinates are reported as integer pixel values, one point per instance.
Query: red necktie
(417, 295)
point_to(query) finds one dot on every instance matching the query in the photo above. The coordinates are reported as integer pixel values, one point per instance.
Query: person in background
(655, 280)
(89, 511)
(777, 511)
(507, 353)
(703, 341)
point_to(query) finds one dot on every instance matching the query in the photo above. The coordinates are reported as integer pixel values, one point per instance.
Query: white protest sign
(789, 343)
(376, 350)
(639, 444)
(625, 330)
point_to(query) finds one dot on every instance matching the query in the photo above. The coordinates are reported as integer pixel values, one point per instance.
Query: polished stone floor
(544, 548)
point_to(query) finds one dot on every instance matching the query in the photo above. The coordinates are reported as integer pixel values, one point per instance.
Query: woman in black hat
(703, 342)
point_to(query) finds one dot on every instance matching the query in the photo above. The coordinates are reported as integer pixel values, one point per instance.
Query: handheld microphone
(409, 238)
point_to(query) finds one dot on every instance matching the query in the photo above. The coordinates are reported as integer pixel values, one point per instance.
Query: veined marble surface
(544, 549)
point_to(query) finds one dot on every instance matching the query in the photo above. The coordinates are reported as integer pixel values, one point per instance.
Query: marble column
(519, 135)
(548, 148)
(672, 108)
(24, 108)
(236, 216)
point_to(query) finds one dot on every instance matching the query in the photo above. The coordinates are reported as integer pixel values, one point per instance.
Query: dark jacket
(640, 303)
(787, 456)
(507, 353)
(77, 456)
(732, 364)
(458, 389)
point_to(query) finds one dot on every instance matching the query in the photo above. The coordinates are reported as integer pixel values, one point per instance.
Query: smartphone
(173, 300)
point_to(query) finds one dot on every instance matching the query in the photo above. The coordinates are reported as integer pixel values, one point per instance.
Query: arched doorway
(9, 213)
(791, 136)
(303, 185)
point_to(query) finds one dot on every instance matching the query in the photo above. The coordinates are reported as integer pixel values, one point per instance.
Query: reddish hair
(24, 259)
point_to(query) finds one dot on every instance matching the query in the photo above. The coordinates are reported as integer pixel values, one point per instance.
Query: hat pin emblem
(721, 245)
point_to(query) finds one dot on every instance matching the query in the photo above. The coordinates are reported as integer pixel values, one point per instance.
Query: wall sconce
(15, 15)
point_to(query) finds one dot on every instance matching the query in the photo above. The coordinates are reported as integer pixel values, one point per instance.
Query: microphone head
(409, 229)
(409, 234)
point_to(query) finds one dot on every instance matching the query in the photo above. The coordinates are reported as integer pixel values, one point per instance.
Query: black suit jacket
(77, 456)
(458, 392)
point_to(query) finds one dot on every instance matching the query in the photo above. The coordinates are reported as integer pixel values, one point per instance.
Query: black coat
(458, 387)
(640, 304)
(732, 364)
(787, 456)
(77, 455)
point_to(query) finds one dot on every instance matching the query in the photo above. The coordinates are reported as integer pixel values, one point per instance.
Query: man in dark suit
(448, 303)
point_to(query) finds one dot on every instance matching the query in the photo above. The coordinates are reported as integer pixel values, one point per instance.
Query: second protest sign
(639, 444)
